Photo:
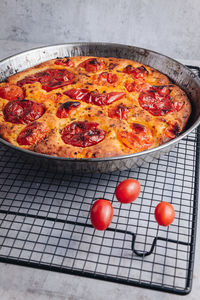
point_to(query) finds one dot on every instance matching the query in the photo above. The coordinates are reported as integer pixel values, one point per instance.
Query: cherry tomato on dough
(11, 92)
(101, 214)
(128, 190)
(33, 134)
(164, 213)
(23, 111)
(82, 134)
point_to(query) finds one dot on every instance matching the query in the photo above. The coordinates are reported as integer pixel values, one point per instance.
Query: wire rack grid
(44, 220)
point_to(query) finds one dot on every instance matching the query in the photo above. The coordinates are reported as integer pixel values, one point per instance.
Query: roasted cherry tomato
(101, 214)
(11, 92)
(32, 134)
(158, 102)
(136, 87)
(128, 190)
(95, 98)
(28, 80)
(67, 62)
(155, 103)
(50, 79)
(93, 65)
(82, 134)
(138, 73)
(120, 112)
(164, 213)
(78, 94)
(112, 66)
(23, 111)
(129, 69)
(173, 130)
(101, 99)
(163, 91)
(105, 78)
(65, 108)
(130, 86)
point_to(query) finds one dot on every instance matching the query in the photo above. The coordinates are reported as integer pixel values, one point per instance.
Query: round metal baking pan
(177, 72)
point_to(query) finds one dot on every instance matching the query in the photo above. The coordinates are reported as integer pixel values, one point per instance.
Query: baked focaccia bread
(91, 107)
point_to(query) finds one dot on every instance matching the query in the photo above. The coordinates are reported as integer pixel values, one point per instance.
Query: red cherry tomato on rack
(101, 214)
(164, 213)
(128, 190)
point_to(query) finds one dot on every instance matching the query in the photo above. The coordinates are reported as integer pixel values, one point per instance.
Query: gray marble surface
(170, 27)
(20, 283)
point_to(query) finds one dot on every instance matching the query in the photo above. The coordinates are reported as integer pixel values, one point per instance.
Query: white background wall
(171, 27)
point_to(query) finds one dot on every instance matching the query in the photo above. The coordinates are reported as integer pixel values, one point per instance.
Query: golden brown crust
(111, 145)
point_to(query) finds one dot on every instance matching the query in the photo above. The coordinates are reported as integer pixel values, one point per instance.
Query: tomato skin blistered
(95, 98)
(120, 112)
(65, 108)
(82, 134)
(105, 78)
(23, 111)
(136, 87)
(11, 92)
(158, 102)
(32, 134)
(92, 65)
(50, 79)
(138, 73)
(128, 69)
(173, 130)
(78, 94)
(130, 86)
(67, 62)
(105, 98)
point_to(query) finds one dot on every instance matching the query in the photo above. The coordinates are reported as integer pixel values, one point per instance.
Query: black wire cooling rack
(44, 220)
